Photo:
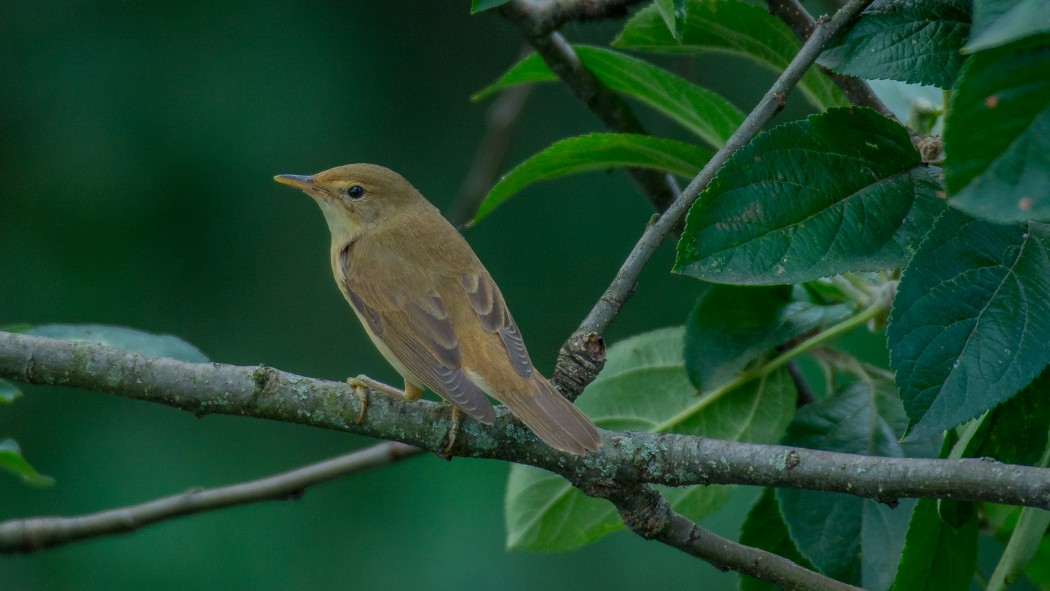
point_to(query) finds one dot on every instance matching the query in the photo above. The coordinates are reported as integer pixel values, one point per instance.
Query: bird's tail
(556, 420)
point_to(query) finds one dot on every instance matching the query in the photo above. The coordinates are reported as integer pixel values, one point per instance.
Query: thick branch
(40, 533)
(625, 459)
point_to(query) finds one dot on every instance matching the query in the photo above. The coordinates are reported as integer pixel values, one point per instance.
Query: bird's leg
(453, 430)
(362, 384)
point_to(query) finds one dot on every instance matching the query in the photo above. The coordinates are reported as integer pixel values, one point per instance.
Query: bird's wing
(487, 302)
(411, 320)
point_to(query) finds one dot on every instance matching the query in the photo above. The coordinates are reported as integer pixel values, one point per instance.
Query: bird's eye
(355, 192)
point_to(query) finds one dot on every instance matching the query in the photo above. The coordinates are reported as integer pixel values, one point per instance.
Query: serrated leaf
(122, 338)
(731, 327)
(937, 556)
(903, 40)
(8, 392)
(708, 115)
(848, 538)
(841, 191)
(12, 461)
(997, 135)
(597, 151)
(729, 26)
(970, 326)
(477, 6)
(998, 22)
(764, 528)
(643, 387)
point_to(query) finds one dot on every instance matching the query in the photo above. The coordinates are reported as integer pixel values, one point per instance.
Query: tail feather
(555, 420)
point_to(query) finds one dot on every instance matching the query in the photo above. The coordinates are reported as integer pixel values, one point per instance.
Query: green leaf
(1015, 432)
(997, 135)
(937, 556)
(998, 22)
(530, 70)
(848, 538)
(903, 40)
(477, 6)
(11, 460)
(673, 12)
(597, 151)
(643, 387)
(842, 191)
(709, 116)
(8, 393)
(731, 327)
(729, 26)
(970, 326)
(122, 338)
(765, 529)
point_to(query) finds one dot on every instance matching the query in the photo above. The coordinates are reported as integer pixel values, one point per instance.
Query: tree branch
(795, 16)
(539, 17)
(501, 121)
(626, 459)
(538, 20)
(41, 533)
(623, 284)
(647, 514)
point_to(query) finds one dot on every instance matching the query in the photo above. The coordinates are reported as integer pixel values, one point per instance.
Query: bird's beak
(301, 182)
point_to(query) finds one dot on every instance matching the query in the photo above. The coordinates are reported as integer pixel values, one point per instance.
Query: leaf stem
(879, 303)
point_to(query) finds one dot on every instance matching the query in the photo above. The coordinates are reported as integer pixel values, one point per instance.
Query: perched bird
(430, 306)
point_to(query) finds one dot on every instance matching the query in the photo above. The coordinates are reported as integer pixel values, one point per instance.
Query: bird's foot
(360, 386)
(453, 430)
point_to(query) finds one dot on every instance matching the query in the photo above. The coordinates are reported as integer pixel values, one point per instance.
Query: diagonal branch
(501, 121)
(647, 514)
(41, 533)
(580, 354)
(537, 21)
(794, 15)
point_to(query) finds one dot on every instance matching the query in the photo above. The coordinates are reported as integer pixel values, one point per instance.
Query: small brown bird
(430, 306)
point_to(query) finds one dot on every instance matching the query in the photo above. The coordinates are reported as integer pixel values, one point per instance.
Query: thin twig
(795, 16)
(647, 514)
(535, 20)
(623, 284)
(41, 533)
(501, 121)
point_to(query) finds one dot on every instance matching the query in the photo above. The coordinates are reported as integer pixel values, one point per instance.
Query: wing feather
(487, 302)
(418, 332)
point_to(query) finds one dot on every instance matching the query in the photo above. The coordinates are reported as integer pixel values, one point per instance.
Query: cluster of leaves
(822, 226)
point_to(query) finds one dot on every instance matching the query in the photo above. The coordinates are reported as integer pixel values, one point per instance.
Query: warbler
(431, 307)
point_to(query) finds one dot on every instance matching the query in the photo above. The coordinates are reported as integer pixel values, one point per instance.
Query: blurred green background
(138, 144)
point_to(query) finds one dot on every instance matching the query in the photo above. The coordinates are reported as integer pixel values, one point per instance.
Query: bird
(431, 308)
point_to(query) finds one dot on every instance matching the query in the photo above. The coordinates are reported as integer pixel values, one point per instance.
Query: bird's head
(356, 198)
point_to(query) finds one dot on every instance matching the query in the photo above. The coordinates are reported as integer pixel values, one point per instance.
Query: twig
(625, 458)
(623, 284)
(795, 16)
(501, 121)
(534, 20)
(41, 533)
(647, 514)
